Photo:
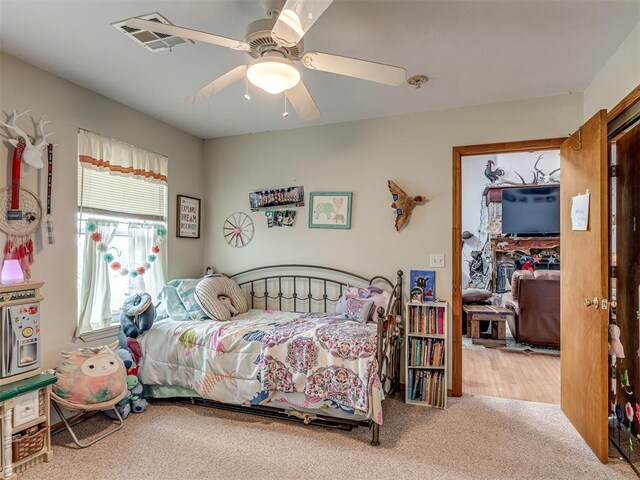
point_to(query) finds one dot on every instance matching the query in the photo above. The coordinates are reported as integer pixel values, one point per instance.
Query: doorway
(511, 275)
(457, 239)
(495, 347)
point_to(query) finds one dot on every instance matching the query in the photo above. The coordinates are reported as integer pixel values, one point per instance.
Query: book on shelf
(426, 319)
(427, 352)
(427, 386)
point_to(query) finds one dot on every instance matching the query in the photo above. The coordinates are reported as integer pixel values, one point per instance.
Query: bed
(290, 356)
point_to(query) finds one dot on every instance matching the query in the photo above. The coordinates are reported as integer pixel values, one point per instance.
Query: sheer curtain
(95, 292)
(142, 238)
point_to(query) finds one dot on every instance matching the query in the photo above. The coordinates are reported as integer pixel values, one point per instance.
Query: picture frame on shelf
(330, 210)
(424, 280)
(188, 217)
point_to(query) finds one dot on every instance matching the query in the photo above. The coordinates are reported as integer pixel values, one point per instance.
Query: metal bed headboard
(307, 290)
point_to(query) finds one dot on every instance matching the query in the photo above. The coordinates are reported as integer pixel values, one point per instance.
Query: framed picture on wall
(330, 210)
(422, 285)
(188, 217)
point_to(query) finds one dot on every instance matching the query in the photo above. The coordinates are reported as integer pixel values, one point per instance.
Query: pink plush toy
(91, 376)
(616, 349)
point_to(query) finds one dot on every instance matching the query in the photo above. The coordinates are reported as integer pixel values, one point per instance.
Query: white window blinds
(118, 178)
(99, 192)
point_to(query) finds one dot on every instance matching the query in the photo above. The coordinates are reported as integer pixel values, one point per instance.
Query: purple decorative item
(358, 310)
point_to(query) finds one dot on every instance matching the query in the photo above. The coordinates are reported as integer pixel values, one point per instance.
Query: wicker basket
(29, 444)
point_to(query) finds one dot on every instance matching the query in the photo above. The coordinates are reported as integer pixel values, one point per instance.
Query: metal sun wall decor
(403, 204)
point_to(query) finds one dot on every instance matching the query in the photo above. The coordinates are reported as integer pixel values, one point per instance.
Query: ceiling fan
(275, 44)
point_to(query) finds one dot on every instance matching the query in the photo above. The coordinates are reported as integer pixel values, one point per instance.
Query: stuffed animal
(125, 356)
(220, 297)
(226, 301)
(138, 314)
(616, 350)
(133, 402)
(90, 376)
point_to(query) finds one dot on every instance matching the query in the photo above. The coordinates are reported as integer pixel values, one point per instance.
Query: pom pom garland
(91, 228)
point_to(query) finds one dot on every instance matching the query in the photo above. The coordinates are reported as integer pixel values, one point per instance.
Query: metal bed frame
(311, 292)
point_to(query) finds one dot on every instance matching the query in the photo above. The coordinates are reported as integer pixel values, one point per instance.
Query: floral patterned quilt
(290, 360)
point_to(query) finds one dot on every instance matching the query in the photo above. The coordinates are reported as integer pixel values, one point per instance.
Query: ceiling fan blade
(303, 103)
(353, 67)
(218, 84)
(295, 19)
(196, 35)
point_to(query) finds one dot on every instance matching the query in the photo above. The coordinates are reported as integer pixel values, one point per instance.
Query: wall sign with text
(188, 217)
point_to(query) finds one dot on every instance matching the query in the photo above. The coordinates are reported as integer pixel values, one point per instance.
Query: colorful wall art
(330, 210)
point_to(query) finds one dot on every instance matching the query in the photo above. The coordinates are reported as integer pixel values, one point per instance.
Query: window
(122, 214)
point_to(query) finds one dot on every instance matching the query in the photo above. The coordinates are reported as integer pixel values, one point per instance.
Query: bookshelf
(426, 341)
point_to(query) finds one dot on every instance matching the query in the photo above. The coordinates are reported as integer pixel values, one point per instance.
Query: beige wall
(617, 78)
(69, 106)
(415, 151)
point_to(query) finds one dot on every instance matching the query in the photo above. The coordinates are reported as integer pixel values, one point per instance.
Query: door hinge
(614, 271)
(613, 171)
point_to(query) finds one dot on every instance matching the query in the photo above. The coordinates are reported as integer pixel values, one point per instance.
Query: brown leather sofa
(535, 300)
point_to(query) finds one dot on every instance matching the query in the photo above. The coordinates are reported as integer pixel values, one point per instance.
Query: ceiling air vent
(154, 42)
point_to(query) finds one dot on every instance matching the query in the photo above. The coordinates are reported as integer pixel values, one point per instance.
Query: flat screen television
(531, 211)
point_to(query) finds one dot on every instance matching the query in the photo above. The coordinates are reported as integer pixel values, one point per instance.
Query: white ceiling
(474, 52)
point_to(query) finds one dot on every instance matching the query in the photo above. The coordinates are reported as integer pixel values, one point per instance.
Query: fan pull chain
(285, 114)
(246, 89)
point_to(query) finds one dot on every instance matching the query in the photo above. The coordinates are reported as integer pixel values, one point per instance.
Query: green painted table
(24, 406)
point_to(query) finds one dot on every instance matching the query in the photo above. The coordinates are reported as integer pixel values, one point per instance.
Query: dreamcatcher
(19, 245)
(238, 229)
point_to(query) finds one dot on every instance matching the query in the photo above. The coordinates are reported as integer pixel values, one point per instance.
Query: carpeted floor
(475, 438)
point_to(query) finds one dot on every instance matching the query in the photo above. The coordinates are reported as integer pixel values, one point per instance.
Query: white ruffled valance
(119, 158)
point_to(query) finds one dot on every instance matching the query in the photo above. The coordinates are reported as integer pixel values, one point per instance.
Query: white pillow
(210, 288)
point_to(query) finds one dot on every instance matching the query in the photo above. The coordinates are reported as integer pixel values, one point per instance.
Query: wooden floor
(496, 373)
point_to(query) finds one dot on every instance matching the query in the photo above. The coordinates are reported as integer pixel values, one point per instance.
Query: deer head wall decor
(32, 155)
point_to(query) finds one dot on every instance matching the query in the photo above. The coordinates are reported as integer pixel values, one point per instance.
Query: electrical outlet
(436, 260)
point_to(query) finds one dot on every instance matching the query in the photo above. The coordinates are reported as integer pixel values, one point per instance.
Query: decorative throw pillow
(220, 297)
(358, 309)
(475, 295)
(379, 297)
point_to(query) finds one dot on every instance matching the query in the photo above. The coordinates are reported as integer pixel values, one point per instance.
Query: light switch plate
(436, 260)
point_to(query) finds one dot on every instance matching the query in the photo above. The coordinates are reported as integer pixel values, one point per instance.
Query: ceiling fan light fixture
(274, 75)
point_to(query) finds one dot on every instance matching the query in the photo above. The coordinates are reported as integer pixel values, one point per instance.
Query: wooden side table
(24, 408)
(497, 317)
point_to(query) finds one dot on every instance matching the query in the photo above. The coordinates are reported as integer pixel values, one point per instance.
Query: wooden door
(584, 265)
(627, 148)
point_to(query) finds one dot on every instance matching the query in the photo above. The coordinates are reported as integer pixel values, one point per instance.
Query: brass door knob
(592, 303)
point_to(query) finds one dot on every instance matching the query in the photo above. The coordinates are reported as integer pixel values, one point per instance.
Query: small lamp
(11, 273)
